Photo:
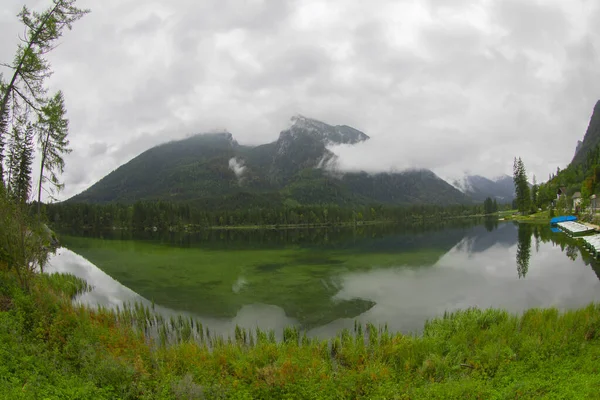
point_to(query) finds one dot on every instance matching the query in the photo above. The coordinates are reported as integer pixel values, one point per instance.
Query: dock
(574, 229)
(592, 243)
(584, 231)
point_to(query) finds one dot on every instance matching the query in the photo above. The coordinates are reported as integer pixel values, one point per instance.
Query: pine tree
(21, 175)
(52, 129)
(488, 206)
(30, 68)
(522, 192)
(12, 159)
(3, 125)
(534, 194)
(2, 144)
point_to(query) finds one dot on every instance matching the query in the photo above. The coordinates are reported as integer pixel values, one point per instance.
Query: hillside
(583, 173)
(215, 169)
(591, 139)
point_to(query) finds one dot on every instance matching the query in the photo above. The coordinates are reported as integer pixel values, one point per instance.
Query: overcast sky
(451, 85)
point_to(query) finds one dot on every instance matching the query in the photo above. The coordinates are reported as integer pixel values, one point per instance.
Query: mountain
(578, 147)
(479, 188)
(591, 138)
(216, 171)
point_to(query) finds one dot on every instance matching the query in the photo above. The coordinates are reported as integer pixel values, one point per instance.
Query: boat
(565, 218)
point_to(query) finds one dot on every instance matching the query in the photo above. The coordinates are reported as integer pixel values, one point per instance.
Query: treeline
(33, 126)
(531, 197)
(582, 177)
(165, 216)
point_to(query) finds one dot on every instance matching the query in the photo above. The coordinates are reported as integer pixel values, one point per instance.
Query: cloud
(237, 166)
(98, 149)
(450, 85)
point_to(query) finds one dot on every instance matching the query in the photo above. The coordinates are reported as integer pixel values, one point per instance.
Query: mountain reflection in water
(325, 280)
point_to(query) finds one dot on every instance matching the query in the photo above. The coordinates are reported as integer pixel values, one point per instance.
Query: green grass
(541, 217)
(301, 280)
(50, 348)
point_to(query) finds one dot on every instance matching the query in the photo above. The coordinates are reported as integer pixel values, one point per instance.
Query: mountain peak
(327, 134)
(479, 187)
(502, 177)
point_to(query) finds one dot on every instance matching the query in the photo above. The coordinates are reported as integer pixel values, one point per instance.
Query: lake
(323, 280)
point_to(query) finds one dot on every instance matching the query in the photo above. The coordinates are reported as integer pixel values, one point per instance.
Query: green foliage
(591, 140)
(24, 243)
(52, 129)
(168, 216)
(24, 93)
(52, 349)
(20, 161)
(582, 175)
(522, 191)
(534, 196)
(490, 206)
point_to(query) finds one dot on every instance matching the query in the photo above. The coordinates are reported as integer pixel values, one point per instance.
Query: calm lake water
(324, 280)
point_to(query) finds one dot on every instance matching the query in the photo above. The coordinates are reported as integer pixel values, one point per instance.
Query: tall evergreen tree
(20, 185)
(522, 192)
(3, 125)
(534, 194)
(12, 158)
(2, 144)
(488, 206)
(52, 129)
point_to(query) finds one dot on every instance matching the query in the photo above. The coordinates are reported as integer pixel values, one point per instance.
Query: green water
(322, 280)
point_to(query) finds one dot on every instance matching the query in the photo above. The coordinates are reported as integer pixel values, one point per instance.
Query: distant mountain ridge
(296, 168)
(479, 188)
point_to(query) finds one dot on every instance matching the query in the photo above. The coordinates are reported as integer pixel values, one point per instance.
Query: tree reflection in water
(524, 249)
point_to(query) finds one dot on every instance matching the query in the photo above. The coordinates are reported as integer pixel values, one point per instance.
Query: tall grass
(50, 347)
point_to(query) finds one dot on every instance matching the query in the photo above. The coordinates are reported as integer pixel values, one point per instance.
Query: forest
(582, 176)
(166, 216)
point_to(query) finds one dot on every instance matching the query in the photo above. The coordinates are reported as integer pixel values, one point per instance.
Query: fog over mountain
(443, 85)
(297, 168)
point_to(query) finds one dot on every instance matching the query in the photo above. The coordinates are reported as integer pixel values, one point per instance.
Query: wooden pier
(592, 243)
(574, 229)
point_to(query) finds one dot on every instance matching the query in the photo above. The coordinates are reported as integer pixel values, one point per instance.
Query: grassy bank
(52, 349)
(542, 217)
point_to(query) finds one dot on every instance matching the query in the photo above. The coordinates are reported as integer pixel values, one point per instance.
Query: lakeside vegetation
(540, 217)
(50, 348)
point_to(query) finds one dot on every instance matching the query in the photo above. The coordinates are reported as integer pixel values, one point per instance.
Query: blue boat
(565, 218)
